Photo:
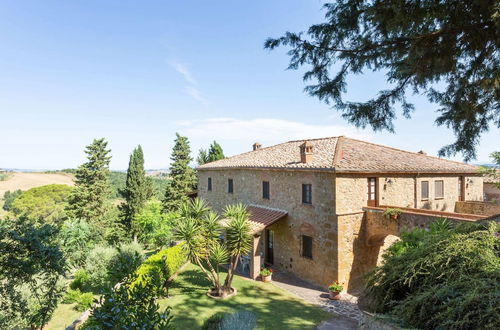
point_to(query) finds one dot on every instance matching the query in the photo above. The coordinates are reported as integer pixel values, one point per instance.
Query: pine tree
(416, 44)
(215, 152)
(137, 187)
(92, 189)
(182, 177)
(202, 157)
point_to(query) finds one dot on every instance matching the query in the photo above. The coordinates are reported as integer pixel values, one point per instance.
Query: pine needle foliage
(444, 278)
(182, 179)
(446, 50)
(88, 199)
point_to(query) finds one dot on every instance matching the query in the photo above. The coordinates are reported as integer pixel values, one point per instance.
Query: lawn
(63, 316)
(274, 307)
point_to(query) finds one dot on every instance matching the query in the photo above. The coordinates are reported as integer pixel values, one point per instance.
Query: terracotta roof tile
(342, 154)
(261, 217)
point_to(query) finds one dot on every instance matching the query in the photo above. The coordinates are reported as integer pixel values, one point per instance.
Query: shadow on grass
(274, 307)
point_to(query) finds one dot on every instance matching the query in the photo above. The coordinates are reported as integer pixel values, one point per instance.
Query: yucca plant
(201, 230)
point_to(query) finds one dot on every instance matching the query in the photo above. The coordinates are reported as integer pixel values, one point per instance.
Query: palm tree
(200, 229)
(238, 239)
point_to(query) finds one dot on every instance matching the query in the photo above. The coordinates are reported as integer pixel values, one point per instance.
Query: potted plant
(392, 214)
(334, 289)
(266, 274)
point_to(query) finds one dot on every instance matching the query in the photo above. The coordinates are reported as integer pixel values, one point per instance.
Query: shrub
(124, 307)
(158, 268)
(83, 300)
(152, 226)
(71, 296)
(97, 265)
(442, 278)
(76, 239)
(129, 257)
(239, 320)
(9, 197)
(81, 280)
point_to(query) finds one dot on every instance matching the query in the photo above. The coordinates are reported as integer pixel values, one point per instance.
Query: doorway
(372, 192)
(269, 247)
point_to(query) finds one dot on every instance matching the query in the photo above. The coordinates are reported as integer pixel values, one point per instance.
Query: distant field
(25, 181)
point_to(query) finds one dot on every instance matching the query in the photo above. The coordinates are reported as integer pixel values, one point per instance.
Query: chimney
(306, 152)
(422, 152)
(256, 146)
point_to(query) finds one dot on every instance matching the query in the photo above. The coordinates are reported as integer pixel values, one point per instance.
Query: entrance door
(269, 246)
(372, 192)
(461, 189)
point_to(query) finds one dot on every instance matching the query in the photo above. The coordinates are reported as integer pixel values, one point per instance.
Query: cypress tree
(215, 152)
(92, 189)
(137, 185)
(182, 177)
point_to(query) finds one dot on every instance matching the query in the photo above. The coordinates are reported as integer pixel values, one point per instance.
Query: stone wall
(404, 191)
(491, 192)
(480, 208)
(341, 245)
(316, 220)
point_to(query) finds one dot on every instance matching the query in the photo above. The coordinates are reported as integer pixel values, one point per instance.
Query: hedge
(158, 268)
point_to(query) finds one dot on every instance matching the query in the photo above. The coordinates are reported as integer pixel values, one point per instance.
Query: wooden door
(269, 246)
(372, 192)
(461, 188)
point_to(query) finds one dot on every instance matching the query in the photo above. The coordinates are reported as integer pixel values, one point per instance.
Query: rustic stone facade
(483, 208)
(335, 219)
(316, 220)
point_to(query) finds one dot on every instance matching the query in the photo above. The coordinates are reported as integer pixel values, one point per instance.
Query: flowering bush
(336, 287)
(266, 272)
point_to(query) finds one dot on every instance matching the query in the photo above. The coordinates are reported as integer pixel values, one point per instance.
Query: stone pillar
(255, 259)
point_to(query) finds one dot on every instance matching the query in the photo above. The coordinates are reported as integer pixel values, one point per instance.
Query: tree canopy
(137, 187)
(214, 153)
(88, 200)
(43, 204)
(182, 176)
(446, 50)
(31, 265)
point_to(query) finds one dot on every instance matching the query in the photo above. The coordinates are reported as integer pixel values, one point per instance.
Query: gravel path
(347, 311)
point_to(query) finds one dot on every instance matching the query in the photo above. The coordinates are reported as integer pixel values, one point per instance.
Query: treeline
(66, 244)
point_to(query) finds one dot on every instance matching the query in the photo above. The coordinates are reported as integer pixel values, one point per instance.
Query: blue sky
(136, 72)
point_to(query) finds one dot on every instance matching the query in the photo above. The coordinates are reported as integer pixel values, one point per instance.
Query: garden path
(347, 310)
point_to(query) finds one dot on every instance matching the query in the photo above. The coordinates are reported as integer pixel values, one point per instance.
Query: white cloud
(191, 83)
(238, 135)
(181, 68)
(196, 94)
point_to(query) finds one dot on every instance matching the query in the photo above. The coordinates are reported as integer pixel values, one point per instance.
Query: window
(425, 190)
(307, 193)
(439, 189)
(265, 189)
(209, 184)
(230, 186)
(307, 244)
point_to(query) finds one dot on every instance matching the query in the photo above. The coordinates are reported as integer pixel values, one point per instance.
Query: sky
(136, 72)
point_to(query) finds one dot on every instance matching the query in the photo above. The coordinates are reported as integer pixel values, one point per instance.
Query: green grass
(63, 316)
(274, 307)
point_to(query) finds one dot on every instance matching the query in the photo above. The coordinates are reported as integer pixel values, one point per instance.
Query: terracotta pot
(334, 295)
(394, 216)
(267, 278)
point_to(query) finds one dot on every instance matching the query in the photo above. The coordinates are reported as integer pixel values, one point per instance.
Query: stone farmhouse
(316, 204)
